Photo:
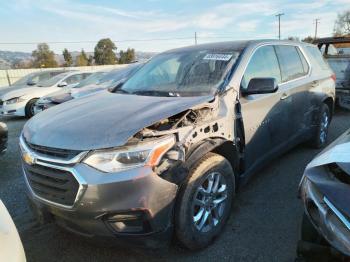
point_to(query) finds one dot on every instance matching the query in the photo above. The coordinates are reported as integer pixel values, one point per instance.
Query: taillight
(334, 77)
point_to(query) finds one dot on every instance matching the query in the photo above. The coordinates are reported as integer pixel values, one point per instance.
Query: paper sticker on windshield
(220, 57)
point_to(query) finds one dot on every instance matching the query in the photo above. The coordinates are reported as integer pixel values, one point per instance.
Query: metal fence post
(8, 78)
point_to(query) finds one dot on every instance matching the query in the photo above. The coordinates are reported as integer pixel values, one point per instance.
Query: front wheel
(29, 109)
(205, 202)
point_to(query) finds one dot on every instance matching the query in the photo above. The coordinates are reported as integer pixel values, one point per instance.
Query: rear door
(296, 85)
(265, 116)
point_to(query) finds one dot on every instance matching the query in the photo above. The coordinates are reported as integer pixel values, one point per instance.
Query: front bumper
(135, 205)
(17, 109)
(324, 215)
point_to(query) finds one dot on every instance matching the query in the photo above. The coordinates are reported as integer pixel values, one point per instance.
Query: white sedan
(21, 102)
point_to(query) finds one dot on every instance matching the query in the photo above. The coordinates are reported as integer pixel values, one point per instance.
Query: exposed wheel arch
(220, 146)
(330, 103)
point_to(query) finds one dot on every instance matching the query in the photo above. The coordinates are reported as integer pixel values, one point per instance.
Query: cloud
(248, 26)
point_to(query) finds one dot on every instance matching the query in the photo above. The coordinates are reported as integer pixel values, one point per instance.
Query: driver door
(265, 116)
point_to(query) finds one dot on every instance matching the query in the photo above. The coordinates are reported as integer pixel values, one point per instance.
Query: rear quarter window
(290, 62)
(317, 57)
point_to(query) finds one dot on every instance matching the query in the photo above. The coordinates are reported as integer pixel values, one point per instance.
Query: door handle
(284, 96)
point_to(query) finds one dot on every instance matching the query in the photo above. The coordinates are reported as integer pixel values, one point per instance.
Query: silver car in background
(96, 82)
(325, 192)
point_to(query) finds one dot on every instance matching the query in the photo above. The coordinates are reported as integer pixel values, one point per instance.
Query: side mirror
(31, 83)
(62, 84)
(261, 85)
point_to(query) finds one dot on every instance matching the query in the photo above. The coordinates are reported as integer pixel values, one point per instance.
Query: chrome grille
(55, 185)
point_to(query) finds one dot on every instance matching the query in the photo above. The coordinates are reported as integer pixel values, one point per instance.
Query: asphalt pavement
(264, 224)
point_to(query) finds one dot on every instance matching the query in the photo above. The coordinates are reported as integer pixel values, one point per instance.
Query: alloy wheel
(209, 202)
(324, 127)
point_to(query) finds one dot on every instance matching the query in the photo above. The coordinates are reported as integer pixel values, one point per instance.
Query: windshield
(52, 81)
(24, 80)
(92, 79)
(187, 73)
(113, 77)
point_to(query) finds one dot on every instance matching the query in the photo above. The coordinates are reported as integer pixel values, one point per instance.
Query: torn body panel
(325, 191)
(208, 120)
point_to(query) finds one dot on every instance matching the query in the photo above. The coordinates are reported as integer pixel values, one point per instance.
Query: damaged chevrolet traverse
(164, 153)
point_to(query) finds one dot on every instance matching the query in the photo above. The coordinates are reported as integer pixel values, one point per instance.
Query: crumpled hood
(103, 120)
(19, 92)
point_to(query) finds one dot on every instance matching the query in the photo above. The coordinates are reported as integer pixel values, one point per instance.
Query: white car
(21, 102)
(11, 248)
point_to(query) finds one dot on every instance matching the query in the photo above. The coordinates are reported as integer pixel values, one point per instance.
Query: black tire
(29, 109)
(319, 140)
(210, 166)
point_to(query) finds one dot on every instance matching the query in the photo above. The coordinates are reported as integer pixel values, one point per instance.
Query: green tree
(82, 59)
(90, 60)
(127, 57)
(43, 56)
(342, 24)
(67, 57)
(308, 39)
(293, 38)
(104, 52)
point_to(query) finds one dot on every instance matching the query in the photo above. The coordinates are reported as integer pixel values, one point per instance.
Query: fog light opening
(129, 223)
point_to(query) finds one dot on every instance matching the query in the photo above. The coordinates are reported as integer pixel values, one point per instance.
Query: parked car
(21, 102)
(11, 248)
(3, 137)
(94, 83)
(339, 61)
(325, 190)
(165, 152)
(64, 95)
(31, 80)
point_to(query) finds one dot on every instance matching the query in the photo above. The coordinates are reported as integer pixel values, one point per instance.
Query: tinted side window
(317, 56)
(303, 61)
(291, 65)
(73, 79)
(263, 63)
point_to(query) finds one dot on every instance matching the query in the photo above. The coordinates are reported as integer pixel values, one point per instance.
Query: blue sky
(122, 21)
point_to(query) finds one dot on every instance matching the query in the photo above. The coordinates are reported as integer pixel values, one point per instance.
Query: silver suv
(165, 152)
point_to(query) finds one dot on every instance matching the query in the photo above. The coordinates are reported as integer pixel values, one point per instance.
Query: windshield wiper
(120, 91)
(155, 93)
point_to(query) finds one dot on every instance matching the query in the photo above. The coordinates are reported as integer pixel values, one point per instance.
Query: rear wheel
(205, 202)
(29, 109)
(320, 135)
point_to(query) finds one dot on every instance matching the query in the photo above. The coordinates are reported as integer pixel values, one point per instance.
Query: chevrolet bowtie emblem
(28, 158)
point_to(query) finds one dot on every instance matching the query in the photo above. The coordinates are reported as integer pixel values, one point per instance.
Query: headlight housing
(14, 100)
(143, 154)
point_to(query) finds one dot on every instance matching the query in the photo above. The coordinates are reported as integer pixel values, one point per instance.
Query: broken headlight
(143, 154)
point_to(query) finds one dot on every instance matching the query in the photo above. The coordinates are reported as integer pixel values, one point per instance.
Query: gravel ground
(264, 225)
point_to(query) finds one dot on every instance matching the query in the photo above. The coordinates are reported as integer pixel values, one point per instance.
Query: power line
(92, 42)
(122, 40)
(279, 24)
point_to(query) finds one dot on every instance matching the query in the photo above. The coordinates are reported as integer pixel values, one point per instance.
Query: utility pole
(317, 21)
(279, 24)
(195, 38)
